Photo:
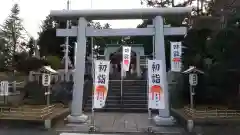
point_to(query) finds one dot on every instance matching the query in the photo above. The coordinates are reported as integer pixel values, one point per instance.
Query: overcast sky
(34, 11)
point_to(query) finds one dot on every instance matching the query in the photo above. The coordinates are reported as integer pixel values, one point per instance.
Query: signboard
(46, 79)
(176, 54)
(101, 83)
(193, 79)
(126, 57)
(4, 88)
(155, 85)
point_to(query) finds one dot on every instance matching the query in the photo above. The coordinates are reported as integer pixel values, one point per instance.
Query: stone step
(112, 97)
(117, 109)
(135, 97)
(108, 105)
(123, 102)
(134, 94)
(128, 87)
(128, 91)
(124, 98)
(128, 81)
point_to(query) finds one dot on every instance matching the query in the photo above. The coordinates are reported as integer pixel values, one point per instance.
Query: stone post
(164, 117)
(76, 115)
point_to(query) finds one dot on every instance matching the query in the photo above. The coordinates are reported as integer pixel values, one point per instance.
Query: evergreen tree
(11, 29)
(31, 46)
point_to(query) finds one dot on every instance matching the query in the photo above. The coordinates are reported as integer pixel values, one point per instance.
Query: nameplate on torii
(149, 31)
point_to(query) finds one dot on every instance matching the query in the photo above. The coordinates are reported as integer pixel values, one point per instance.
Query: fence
(12, 86)
(28, 112)
(212, 113)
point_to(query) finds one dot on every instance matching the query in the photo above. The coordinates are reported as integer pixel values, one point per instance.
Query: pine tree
(31, 47)
(11, 29)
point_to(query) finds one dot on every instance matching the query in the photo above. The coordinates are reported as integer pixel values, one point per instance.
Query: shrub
(30, 64)
(53, 61)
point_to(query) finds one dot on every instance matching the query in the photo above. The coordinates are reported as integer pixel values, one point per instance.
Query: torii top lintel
(105, 14)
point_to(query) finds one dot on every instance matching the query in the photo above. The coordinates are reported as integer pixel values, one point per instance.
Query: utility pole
(67, 45)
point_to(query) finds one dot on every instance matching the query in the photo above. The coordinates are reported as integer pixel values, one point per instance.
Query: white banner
(126, 57)
(176, 56)
(4, 88)
(101, 83)
(155, 85)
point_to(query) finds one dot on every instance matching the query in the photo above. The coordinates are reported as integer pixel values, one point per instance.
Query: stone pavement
(26, 131)
(120, 123)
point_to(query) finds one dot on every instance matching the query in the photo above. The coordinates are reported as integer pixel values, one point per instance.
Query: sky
(33, 12)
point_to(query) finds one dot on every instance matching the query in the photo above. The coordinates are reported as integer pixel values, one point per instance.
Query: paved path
(26, 132)
(120, 123)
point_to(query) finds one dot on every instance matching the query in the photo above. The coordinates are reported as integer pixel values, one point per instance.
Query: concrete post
(76, 110)
(30, 76)
(164, 117)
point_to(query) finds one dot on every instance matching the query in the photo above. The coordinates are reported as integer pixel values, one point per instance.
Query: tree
(53, 61)
(50, 44)
(158, 3)
(12, 29)
(2, 50)
(202, 5)
(31, 46)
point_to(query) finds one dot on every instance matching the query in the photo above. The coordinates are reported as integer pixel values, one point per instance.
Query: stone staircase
(132, 98)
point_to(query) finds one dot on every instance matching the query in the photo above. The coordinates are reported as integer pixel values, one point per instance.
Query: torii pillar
(82, 31)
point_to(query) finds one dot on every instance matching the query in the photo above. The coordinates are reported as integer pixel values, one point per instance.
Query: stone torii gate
(158, 30)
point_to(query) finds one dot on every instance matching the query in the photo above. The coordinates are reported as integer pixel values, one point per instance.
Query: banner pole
(122, 84)
(149, 129)
(92, 125)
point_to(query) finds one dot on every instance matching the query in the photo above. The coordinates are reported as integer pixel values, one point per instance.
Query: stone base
(47, 124)
(164, 121)
(77, 119)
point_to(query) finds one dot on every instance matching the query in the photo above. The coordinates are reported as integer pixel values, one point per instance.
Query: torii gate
(82, 31)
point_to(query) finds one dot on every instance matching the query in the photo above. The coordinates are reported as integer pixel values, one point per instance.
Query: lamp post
(193, 72)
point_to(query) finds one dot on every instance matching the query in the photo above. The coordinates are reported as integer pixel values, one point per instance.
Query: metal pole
(93, 75)
(149, 111)
(121, 82)
(91, 3)
(48, 95)
(93, 116)
(75, 53)
(191, 96)
(92, 126)
(153, 42)
(92, 52)
(67, 45)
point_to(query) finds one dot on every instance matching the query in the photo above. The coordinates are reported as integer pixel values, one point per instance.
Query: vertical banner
(155, 85)
(101, 83)
(176, 54)
(4, 88)
(126, 58)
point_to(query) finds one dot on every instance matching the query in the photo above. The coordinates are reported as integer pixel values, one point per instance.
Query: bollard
(190, 125)
(14, 85)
